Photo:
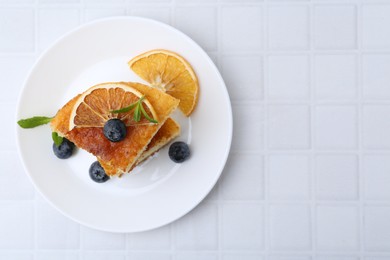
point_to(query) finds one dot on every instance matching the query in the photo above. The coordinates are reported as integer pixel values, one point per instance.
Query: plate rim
(93, 23)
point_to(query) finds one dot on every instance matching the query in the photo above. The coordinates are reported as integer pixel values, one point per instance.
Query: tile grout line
(312, 156)
(82, 8)
(318, 103)
(266, 208)
(35, 228)
(36, 29)
(360, 184)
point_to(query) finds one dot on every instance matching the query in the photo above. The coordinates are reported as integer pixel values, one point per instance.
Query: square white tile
(335, 76)
(53, 23)
(249, 233)
(374, 34)
(236, 21)
(8, 136)
(92, 239)
(200, 23)
(375, 76)
(198, 230)
(58, 255)
(337, 228)
(162, 14)
(54, 230)
(291, 257)
(59, 1)
(196, 256)
(243, 177)
(17, 226)
(243, 76)
(110, 255)
(248, 123)
(336, 127)
(376, 168)
(239, 256)
(289, 177)
(14, 182)
(148, 1)
(156, 239)
(95, 2)
(332, 257)
(239, 1)
(288, 77)
(191, 1)
(17, 30)
(14, 71)
(336, 176)
(91, 14)
(335, 27)
(288, 127)
(290, 227)
(376, 126)
(17, 1)
(377, 228)
(16, 256)
(149, 256)
(288, 27)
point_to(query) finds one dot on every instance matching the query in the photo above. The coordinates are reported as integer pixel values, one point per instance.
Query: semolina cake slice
(116, 157)
(168, 131)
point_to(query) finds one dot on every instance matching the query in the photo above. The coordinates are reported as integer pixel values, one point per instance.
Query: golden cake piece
(97, 102)
(168, 131)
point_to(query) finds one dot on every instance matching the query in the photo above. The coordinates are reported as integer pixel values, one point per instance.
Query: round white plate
(155, 193)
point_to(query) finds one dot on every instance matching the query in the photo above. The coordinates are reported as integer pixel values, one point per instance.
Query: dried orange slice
(96, 105)
(171, 73)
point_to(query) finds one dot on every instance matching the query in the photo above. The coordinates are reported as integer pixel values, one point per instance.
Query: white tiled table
(308, 176)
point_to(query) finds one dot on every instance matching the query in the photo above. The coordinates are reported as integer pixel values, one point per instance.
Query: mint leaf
(147, 116)
(137, 113)
(125, 109)
(56, 138)
(34, 121)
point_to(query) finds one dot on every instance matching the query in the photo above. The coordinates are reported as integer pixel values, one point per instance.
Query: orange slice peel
(171, 73)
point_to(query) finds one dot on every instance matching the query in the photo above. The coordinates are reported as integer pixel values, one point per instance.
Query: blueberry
(179, 152)
(64, 150)
(97, 173)
(114, 130)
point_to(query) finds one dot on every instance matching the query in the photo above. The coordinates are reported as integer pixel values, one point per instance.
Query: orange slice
(170, 72)
(93, 108)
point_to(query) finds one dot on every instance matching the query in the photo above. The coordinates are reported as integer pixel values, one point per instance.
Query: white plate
(159, 191)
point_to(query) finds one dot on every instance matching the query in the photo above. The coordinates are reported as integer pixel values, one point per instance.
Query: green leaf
(147, 116)
(34, 121)
(137, 113)
(56, 138)
(141, 99)
(125, 109)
